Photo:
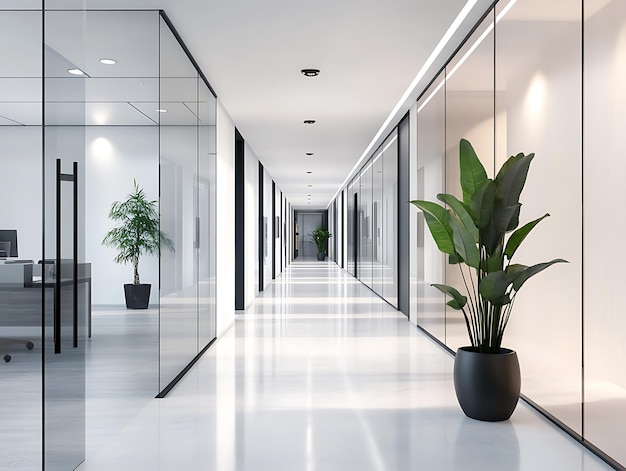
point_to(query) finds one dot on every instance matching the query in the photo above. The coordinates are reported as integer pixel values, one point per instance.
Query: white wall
(225, 220)
(115, 156)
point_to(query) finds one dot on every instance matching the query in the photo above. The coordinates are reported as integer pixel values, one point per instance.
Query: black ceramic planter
(487, 385)
(321, 257)
(137, 296)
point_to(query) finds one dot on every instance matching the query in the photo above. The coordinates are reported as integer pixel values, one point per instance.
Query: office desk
(23, 288)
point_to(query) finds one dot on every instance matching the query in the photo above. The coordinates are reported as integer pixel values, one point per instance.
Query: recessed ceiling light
(309, 121)
(309, 172)
(310, 72)
(108, 61)
(309, 185)
(162, 110)
(310, 153)
(76, 72)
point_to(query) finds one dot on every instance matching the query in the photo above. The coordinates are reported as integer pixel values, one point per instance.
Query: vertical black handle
(75, 244)
(58, 272)
(56, 325)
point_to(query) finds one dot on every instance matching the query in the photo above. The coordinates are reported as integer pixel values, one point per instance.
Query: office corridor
(320, 374)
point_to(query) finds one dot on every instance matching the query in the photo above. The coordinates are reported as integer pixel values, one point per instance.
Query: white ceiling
(251, 52)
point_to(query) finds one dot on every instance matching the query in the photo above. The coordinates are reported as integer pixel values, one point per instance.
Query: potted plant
(136, 233)
(320, 236)
(473, 233)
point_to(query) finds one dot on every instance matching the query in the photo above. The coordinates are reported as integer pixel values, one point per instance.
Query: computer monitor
(9, 236)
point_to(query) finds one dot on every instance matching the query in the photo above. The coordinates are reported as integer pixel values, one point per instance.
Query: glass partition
(65, 316)
(389, 213)
(20, 305)
(205, 235)
(538, 109)
(378, 215)
(430, 181)
(351, 225)
(469, 115)
(117, 107)
(365, 226)
(506, 96)
(604, 167)
(178, 152)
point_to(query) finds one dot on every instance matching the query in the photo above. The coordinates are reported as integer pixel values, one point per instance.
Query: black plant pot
(487, 385)
(137, 296)
(321, 256)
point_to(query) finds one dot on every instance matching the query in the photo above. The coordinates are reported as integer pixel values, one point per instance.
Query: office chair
(9, 342)
(5, 343)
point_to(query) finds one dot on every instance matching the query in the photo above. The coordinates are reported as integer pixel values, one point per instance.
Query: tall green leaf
(458, 300)
(482, 204)
(514, 270)
(493, 288)
(473, 174)
(461, 211)
(519, 235)
(512, 177)
(532, 271)
(437, 218)
(464, 243)
(505, 217)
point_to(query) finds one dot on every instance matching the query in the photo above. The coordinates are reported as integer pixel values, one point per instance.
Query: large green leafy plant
(137, 231)
(473, 233)
(320, 236)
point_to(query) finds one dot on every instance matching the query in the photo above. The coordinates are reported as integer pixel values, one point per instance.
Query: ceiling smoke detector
(310, 72)
(309, 121)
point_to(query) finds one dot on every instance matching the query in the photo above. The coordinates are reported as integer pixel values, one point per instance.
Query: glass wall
(377, 223)
(370, 203)
(120, 110)
(20, 307)
(507, 96)
(429, 182)
(352, 195)
(538, 109)
(388, 214)
(365, 225)
(187, 149)
(604, 191)
(469, 114)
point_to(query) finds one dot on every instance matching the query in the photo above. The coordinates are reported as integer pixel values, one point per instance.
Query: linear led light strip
(448, 76)
(433, 55)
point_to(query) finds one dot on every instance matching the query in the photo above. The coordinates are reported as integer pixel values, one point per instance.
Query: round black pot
(137, 296)
(487, 385)
(321, 257)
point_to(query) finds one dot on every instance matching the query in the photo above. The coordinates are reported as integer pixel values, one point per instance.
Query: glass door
(65, 278)
(20, 239)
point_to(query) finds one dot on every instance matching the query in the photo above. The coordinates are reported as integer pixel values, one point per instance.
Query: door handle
(61, 177)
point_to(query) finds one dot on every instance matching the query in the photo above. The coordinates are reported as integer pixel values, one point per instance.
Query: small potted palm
(480, 235)
(320, 236)
(137, 233)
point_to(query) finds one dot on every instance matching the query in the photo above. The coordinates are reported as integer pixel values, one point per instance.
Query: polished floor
(320, 374)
